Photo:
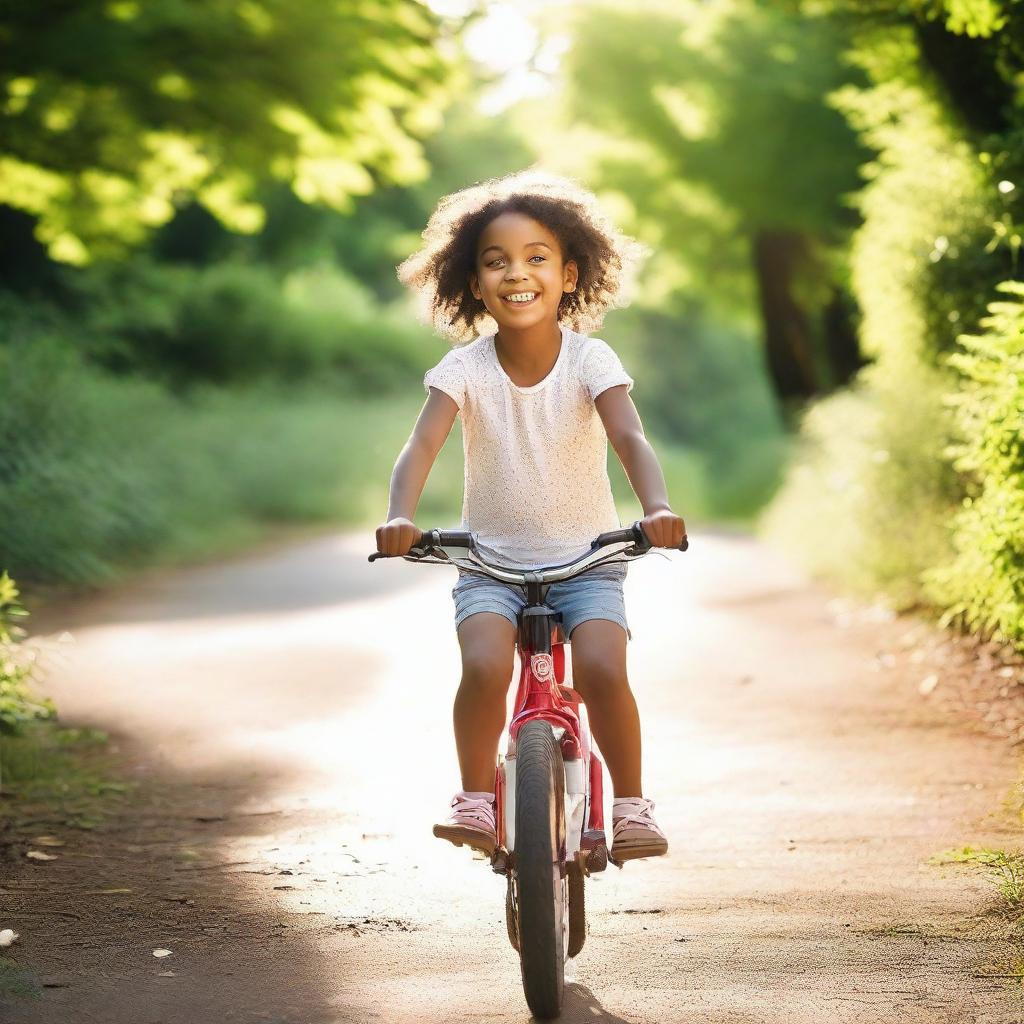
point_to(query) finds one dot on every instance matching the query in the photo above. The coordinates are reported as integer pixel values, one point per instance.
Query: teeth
(520, 296)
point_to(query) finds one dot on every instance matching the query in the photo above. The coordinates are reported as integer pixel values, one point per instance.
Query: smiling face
(520, 276)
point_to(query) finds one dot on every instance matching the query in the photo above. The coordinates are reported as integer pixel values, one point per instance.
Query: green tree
(382, 228)
(904, 501)
(115, 112)
(737, 157)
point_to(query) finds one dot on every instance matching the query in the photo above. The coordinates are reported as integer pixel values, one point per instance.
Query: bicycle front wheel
(542, 891)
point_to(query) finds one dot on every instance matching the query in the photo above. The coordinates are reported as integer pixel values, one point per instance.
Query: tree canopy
(114, 112)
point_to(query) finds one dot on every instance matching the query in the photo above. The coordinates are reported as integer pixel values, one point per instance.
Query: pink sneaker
(471, 822)
(635, 833)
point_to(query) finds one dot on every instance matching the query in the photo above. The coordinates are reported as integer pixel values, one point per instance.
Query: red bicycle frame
(543, 695)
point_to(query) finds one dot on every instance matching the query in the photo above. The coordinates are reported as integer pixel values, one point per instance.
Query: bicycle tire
(541, 889)
(577, 912)
(511, 925)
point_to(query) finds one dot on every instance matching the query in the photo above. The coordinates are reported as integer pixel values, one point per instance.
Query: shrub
(17, 666)
(982, 587)
(100, 472)
(236, 322)
(868, 499)
(868, 494)
(920, 269)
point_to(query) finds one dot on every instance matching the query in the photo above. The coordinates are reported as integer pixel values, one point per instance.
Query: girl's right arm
(412, 468)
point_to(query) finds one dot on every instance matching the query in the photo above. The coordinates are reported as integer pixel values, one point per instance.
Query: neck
(528, 347)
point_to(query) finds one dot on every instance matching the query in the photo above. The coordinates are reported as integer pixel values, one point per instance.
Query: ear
(570, 275)
(474, 286)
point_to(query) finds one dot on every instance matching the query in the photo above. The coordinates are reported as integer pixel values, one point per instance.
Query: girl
(532, 256)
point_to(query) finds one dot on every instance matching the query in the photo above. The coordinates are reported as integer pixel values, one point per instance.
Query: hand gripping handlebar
(465, 539)
(631, 535)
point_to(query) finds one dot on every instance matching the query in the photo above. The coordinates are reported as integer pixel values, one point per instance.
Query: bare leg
(599, 676)
(488, 646)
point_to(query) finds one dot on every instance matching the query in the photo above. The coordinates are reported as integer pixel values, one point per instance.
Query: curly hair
(438, 273)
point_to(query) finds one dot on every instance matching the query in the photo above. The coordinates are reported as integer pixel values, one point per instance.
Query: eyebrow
(527, 246)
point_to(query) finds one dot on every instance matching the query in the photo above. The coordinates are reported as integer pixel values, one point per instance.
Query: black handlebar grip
(625, 536)
(453, 538)
(443, 539)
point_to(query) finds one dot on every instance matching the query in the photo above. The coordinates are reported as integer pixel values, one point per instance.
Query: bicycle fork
(542, 695)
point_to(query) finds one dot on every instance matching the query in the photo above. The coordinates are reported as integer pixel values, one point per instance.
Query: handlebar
(630, 535)
(432, 539)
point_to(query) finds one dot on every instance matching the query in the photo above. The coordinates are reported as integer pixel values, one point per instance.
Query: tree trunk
(779, 258)
(842, 345)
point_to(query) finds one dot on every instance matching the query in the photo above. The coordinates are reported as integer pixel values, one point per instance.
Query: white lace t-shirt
(536, 474)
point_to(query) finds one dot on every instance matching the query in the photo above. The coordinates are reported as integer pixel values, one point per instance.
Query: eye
(537, 257)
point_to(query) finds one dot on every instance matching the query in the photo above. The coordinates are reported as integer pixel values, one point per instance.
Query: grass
(51, 775)
(164, 483)
(1004, 869)
(17, 981)
(52, 778)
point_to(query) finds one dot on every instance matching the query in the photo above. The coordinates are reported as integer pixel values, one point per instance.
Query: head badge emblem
(542, 666)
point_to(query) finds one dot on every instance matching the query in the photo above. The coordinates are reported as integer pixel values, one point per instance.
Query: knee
(486, 670)
(598, 679)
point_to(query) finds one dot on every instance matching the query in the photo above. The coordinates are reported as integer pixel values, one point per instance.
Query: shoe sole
(635, 851)
(463, 835)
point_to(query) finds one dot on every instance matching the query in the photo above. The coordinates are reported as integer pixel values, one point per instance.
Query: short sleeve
(602, 369)
(448, 376)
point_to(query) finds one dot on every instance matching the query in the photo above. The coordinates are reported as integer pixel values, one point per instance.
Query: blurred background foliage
(202, 208)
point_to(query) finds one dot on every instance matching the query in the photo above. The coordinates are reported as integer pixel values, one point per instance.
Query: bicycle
(549, 785)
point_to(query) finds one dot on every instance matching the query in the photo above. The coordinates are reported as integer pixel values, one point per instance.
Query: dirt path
(288, 718)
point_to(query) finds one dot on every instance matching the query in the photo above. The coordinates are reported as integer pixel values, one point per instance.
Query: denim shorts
(594, 594)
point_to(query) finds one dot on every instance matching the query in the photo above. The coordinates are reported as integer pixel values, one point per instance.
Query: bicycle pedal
(500, 861)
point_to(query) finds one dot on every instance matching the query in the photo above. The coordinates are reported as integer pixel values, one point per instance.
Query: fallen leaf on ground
(48, 841)
(161, 952)
(39, 855)
(7, 936)
(167, 974)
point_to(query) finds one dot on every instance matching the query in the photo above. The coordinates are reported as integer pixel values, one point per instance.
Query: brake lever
(415, 552)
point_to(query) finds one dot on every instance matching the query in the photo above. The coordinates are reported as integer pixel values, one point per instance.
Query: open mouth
(517, 299)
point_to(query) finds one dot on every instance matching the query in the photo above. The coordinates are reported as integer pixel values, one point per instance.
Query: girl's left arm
(622, 423)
